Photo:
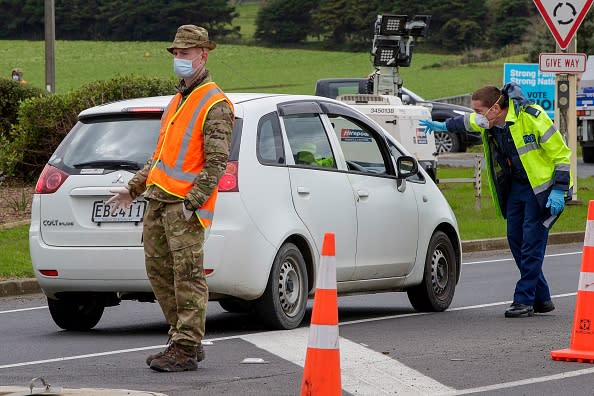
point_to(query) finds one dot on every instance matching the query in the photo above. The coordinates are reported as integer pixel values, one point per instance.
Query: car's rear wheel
(235, 305)
(76, 313)
(446, 142)
(436, 291)
(282, 306)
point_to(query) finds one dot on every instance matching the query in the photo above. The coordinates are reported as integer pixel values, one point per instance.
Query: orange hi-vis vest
(179, 156)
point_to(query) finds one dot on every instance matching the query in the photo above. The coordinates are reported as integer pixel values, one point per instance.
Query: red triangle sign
(563, 17)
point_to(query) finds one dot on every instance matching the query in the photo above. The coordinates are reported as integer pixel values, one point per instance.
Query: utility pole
(50, 41)
(565, 114)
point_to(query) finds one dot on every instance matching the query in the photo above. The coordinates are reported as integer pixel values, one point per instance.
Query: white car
(300, 166)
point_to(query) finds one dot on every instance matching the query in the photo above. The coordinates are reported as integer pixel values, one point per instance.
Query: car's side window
(269, 141)
(309, 143)
(360, 146)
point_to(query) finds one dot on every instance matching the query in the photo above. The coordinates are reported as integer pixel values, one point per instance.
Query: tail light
(50, 180)
(581, 113)
(228, 182)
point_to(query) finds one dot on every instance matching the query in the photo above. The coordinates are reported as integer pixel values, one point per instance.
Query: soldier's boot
(199, 354)
(177, 358)
(157, 355)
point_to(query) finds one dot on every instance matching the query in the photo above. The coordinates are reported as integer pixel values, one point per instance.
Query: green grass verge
(483, 223)
(239, 67)
(15, 261)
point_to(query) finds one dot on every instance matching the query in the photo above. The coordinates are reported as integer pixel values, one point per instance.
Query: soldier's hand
(187, 213)
(122, 198)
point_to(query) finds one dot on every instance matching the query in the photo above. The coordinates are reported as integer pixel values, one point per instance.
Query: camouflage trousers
(174, 264)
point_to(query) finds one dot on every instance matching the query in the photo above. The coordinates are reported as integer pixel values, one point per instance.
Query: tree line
(455, 25)
(116, 20)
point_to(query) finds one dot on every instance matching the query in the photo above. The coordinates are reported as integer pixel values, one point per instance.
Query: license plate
(103, 213)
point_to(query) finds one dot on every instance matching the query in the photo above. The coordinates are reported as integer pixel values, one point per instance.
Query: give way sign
(563, 17)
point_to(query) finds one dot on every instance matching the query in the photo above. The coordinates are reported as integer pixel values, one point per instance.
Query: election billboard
(537, 86)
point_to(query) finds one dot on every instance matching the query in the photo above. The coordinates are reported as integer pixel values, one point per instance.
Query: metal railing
(476, 180)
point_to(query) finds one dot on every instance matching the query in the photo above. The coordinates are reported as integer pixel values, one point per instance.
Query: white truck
(585, 111)
(392, 48)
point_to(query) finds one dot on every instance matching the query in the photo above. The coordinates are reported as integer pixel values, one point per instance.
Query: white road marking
(513, 384)
(23, 309)
(512, 259)
(363, 370)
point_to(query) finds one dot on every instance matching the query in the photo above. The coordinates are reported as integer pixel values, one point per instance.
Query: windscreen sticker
(421, 136)
(354, 135)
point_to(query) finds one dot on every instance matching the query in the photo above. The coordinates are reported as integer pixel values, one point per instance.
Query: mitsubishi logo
(119, 179)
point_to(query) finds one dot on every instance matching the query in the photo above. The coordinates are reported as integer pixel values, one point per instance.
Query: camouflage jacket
(217, 132)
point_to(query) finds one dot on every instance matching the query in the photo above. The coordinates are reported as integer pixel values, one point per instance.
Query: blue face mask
(183, 68)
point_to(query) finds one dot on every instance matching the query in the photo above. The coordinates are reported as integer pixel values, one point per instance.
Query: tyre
(76, 314)
(235, 305)
(436, 291)
(588, 154)
(282, 306)
(446, 142)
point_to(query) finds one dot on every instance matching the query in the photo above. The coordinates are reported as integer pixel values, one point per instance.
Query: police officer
(528, 167)
(180, 184)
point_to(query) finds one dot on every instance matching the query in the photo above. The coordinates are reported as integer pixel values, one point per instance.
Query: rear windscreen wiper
(110, 164)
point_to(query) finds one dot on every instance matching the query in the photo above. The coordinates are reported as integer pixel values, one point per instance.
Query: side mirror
(406, 166)
(406, 99)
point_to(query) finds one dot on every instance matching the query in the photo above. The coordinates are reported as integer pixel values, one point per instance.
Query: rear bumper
(236, 253)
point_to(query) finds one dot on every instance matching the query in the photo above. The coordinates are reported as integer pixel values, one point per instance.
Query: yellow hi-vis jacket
(541, 149)
(179, 156)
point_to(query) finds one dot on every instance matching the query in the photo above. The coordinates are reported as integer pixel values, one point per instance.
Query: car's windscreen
(110, 143)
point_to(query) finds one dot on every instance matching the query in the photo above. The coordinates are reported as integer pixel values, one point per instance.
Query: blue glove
(433, 126)
(556, 201)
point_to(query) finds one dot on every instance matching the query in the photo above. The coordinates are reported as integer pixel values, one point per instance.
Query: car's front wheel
(436, 291)
(76, 313)
(282, 306)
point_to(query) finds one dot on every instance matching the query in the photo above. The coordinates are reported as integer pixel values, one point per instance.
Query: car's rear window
(108, 143)
(122, 142)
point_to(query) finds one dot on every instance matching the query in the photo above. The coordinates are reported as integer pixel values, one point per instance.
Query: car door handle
(303, 190)
(362, 193)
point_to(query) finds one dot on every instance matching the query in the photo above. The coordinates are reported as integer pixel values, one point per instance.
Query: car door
(387, 216)
(322, 195)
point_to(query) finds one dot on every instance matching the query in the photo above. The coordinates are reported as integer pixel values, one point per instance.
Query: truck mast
(392, 48)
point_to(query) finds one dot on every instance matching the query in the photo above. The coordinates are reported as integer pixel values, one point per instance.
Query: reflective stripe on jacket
(541, 148)
(179, 156)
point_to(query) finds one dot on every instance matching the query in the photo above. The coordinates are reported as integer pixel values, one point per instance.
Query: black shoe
(517, 310)
(543, 307)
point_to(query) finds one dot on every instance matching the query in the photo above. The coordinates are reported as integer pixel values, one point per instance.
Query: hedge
(43, 121)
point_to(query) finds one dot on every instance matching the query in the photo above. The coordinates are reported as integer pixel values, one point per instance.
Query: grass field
(239, 67)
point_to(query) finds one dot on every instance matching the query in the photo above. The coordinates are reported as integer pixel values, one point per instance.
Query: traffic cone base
(581, 346)
(570, 355)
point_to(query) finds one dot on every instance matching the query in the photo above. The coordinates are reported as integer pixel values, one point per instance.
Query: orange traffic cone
(581, 346)
(321, 375)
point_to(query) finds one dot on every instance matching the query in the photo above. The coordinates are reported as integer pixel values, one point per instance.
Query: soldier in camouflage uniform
(173, 234)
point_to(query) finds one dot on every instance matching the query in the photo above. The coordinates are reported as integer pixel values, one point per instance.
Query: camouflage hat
(189, 36)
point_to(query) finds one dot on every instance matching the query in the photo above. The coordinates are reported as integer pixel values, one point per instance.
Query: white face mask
(481, 121)
(16, 77)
